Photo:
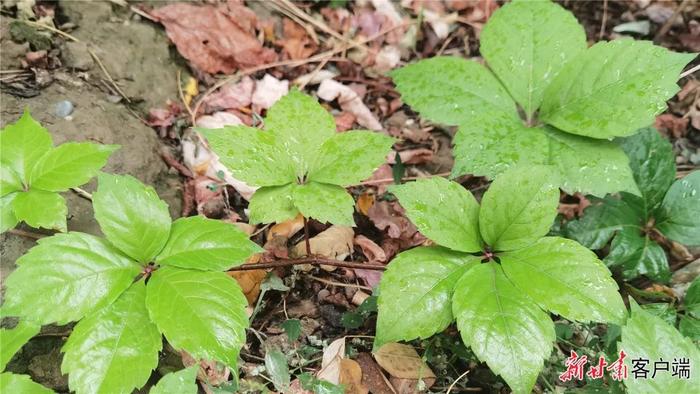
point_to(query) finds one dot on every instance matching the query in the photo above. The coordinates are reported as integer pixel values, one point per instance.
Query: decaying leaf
(402, 361)
(231, 95)
(250, 280)
(351, 377)
(349, 101)
(214, 39)
(268, 90)
(330, 363)
(333, 243)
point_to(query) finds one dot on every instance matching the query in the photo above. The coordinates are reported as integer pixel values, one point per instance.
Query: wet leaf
(443, 211)
(202, 313)
(277, 369)
(79, 273)
(9, 180)
(647, 336)
(113, 350)
(679, 212)
(690, 327)
(183, 381)
(350, 157)
(519, 207)
(22, 143)
(13, 383)
(131, 215)
(602, 219)
(402, 361)
(637, 254)
(692, 298)
(567, 279)
(325, 203)
(206, 244)
(416, 293)
(273, 204)
(613, 88)
(69, 165)
(653, 165)
(494, 317)
(526, 44)
(52, 214)
(12, 340)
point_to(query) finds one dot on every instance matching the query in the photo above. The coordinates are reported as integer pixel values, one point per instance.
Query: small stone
(63, 109)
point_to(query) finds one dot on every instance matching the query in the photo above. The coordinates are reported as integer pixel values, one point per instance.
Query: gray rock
(76, 56)
(63, 109)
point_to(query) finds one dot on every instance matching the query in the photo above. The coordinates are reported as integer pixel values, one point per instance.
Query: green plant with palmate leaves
(33, 172)
(148, 277)
(494, 272)
(299, 161)
(573, 99)
(666, 210)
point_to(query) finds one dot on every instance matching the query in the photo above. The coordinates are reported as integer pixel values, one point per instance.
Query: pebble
(63, 109)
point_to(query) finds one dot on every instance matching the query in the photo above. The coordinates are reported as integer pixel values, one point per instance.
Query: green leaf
(69, 165)
(114, 349)
(589, 166)
(679, 212)
(300, 124)
(647, 336)
(277, 369)
(9, 180)
(183, 381)
(527, 43)
(692, 298)
(452, 90)
(39, 208)
(443, 211)
(602, 219)
(8, 219)
(22, 144)
(636, 254)
(565, 278)
(131, 215)
(252, 155)
(205, 244)
(293, 329)
(415, 298)
(519, 207)
(273, 204)
(12, 339)
(325, 203)
(653, 164)
(502, 326)
(200, 312)
(20, 384)
(690, 327)
(612, 89)
(350, 157)
(489, 143)
(67, 276)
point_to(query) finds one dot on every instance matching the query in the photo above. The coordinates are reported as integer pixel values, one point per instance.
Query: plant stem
(306, 237)
(309, 260)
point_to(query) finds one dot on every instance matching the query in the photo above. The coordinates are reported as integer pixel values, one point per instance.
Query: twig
(27, 234)
(669, 22)
(90, 51)
(331, 283)
(82, 193)
(306, 236)
(605, 19)
(692, 70)
(309, 260)
(407, 178)
(449, 390)
(182, 95)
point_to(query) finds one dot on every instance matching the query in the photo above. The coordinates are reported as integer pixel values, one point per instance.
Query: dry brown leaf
(349, 101)
(296, 42)
(365, 202)
(250, 280)
(411, 156)
(372, 375)
(288, 228)
(402, 361)
(333, 243)
(267, 91)
(214, 39)
(330, 362)
(231, 95)
(351, 377)
(672, 125)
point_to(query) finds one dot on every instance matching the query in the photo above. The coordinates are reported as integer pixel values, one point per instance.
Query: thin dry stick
(669, 23)
(309, 260)
(331, 283)
(449, 390)
(27, 234)
(292, 63)
(82, 193)
(604, 21)
(90, 51)
(182, 95)
(306, 237)
(692, 70)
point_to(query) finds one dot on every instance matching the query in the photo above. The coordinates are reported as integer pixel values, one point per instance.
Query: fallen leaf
(330, 362)
(268, 91)
(288, 228)
(314, 77)
(349, 101)
(218, 120)
(387, 59)
(411, 156)
(372, 375)
(333, 243)
(215, 39)
(365, 202)
(231, 95)
(344, 121)
(351, 377)
(250, 280)
(296, 42)
(402, 361)
(389, 216)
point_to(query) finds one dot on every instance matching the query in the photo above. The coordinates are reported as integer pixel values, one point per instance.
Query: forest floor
(109, 72)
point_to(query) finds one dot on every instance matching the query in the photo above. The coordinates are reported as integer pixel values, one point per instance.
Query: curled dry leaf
(333, 243)
(330, 363)
(411, 156)
(402, 361)
(267, 91)
(215, 39)
(232, 95)
(349, 101)
(374, 254)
